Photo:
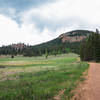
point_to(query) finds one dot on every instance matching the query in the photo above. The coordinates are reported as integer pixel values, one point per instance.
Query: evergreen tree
(90, 49)
(46, 53)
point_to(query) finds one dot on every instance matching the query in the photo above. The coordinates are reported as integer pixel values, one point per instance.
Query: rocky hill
(74, 36)
(18, 46)
(71, 40)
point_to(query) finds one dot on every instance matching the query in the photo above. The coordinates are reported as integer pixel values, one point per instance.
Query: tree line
(29, 51)
(90, 48)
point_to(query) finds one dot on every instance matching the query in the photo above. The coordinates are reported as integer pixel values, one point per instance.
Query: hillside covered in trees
(70, 40)
(66, 42)
(90, 49)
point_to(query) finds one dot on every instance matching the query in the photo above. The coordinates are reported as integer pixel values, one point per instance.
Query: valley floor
(38, 78)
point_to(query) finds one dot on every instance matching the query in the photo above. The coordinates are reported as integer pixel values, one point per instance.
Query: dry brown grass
(20, 63)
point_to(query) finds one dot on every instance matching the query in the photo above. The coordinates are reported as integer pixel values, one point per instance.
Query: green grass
(46, 78)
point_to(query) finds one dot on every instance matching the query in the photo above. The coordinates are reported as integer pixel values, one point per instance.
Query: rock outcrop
(74, 36)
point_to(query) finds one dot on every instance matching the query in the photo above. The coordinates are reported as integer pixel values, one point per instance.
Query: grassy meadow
(38, 78)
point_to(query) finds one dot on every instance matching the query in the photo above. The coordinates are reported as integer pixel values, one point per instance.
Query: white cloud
(48, 21)
(10, 33)
(61, 10)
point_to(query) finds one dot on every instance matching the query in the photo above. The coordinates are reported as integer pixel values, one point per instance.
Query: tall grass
(47, 83)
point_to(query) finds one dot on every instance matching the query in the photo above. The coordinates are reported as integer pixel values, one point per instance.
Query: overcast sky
(37, 21)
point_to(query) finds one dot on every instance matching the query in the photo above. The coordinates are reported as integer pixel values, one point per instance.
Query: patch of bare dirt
(58, 97)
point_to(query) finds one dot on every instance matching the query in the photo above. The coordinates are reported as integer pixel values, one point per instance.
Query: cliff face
(66, 38)
(18, 46)
(74, 36)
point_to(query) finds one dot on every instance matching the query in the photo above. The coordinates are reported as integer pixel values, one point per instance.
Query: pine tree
(46, 53)
(90, 50)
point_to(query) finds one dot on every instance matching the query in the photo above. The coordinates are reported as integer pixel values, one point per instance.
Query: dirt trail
(90, 89)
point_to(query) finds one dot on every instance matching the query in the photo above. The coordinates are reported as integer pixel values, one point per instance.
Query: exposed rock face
(74, 36)
(18, 46)
(67, 38)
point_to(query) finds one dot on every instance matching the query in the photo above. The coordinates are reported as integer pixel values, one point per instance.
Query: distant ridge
(71, 40)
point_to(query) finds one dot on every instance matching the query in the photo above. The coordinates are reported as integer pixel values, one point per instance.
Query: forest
(90, 49)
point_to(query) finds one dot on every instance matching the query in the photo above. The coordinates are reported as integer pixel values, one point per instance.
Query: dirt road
(90, 89)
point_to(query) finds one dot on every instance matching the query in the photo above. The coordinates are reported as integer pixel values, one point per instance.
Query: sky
(37, 21)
